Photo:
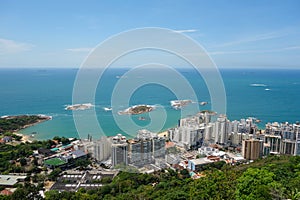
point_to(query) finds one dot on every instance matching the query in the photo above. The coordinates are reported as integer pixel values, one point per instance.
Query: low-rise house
(10, 180)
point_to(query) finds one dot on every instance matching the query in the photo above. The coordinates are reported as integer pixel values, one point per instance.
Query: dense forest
(13, 123)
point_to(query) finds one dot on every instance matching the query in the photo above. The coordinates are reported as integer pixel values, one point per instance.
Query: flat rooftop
(201, 161)
(10, 179)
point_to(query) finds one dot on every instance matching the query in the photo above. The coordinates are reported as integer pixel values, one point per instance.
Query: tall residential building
(119, 149)
(222, 127)
(274, 142)
(145, 148)
(283, 138)
(159, 149)
(102, 149)
(190, 132)
(190, 121)
(288, 147)
(208, 132)
(206, 117)
(252, 149)
(296, 128)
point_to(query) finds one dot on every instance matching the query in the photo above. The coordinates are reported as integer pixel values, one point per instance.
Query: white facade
(102, 149)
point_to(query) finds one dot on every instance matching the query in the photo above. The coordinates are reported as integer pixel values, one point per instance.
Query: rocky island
(178, 104)
(137, 109)
(83, 106)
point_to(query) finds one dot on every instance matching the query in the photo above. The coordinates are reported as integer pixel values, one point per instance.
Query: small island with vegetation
(136, 110)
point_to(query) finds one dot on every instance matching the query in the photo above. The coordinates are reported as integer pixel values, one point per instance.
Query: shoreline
(27, 138)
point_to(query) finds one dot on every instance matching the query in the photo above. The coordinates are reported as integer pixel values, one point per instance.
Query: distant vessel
(203, 103)
(107, 108)
(258, 85)
(84, 106)
(142, 118)
(267, 89)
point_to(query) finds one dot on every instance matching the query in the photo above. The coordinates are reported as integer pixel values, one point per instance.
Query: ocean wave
(60, 115)
(258, 85)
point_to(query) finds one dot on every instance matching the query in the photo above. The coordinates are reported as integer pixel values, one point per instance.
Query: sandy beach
(163, 134)
(25, 138)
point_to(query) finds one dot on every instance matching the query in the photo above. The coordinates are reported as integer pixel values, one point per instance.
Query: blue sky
(235, 33)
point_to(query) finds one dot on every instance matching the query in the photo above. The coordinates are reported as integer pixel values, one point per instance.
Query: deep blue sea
(48, 91)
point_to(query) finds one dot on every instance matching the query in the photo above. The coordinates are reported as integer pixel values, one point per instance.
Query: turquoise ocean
(267, 94)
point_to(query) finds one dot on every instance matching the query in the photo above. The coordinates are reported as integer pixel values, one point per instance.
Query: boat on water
(142, 118)
(203, 103)
(107, 108)
(258, 85)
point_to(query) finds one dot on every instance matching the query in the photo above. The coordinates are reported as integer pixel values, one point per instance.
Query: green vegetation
(14, 136)
(275, 177)
(140, 109)
(62, 140)
(13, 123)
(54, 162)
(12, 157)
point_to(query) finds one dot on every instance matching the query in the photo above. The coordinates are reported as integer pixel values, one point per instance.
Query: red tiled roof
(6, 192)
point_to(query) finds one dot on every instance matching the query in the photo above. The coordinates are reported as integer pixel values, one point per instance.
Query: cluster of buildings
(243, 135)
(197, 143)
(145, 149)
(277, 138)
(63, 156)
(205, 134)
(200, 130)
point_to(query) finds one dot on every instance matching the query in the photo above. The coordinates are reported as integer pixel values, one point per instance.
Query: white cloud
(186, 31)
(11, 46)
(290, 48)
(254, 38)
(83, 49)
